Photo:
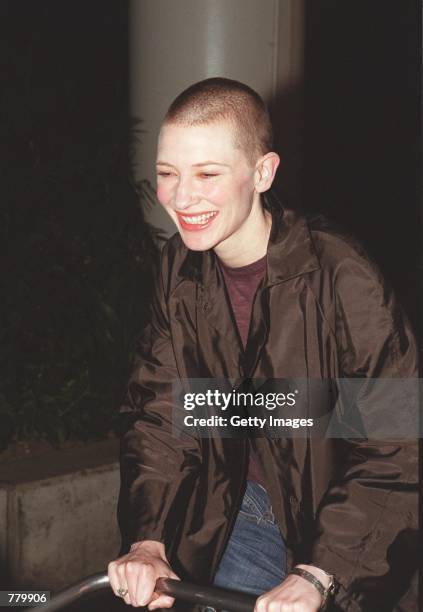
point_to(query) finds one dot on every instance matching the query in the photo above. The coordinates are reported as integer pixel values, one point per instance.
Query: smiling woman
(268, 295)
(214, 160)
(211, 190)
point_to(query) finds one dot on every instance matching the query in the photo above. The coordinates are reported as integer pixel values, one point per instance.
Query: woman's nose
(184, 194)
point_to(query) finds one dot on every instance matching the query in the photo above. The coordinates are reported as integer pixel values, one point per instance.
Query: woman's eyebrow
(210, 163)
(205, 163)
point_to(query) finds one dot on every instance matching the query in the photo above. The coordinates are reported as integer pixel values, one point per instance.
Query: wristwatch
(324, 592)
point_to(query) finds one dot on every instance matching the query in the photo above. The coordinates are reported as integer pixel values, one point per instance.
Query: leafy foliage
(75, 284)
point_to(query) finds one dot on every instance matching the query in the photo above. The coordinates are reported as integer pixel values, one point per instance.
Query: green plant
(75, 285)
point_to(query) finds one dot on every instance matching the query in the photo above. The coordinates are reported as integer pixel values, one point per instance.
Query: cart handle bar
(206, 596)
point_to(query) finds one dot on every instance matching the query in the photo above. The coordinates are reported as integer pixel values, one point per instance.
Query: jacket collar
(290, 251)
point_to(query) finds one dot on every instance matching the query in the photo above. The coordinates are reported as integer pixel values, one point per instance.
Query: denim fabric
(254, 560)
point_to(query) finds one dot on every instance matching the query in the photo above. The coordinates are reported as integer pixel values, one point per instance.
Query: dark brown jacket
(322, 311)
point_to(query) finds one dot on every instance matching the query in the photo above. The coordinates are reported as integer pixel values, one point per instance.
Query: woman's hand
(137, 572)
(294, 594)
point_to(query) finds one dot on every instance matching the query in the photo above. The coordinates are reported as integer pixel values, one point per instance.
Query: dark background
(363, 128)
(75, 276)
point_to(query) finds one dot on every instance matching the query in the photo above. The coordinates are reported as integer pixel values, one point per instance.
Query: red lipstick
(198, 225)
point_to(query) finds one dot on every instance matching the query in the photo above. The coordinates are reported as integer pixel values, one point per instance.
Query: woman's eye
(207, 174)
(164, 174)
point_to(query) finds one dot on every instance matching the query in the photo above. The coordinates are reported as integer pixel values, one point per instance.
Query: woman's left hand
(294, 594)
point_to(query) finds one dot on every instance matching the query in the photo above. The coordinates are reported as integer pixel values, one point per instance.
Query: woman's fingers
(133, 578)
(117, 580)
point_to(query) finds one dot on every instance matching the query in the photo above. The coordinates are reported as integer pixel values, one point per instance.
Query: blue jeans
(254, 560)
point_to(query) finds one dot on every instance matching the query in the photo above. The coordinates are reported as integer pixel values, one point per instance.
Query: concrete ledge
(58, 512)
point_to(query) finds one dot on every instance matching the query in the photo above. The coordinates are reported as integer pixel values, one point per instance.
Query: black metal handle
(185, 591)
(96, 582)
(207, 596)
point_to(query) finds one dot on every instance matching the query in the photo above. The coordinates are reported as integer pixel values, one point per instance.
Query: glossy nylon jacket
(322, 311)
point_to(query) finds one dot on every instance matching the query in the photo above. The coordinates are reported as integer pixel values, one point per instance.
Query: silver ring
(122, 592)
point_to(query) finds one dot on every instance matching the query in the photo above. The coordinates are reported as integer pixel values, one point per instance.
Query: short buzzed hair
(219, 98)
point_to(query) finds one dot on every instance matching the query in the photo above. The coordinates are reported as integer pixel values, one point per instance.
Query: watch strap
(310, 578)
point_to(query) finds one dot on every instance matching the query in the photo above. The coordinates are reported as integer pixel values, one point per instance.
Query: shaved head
(219, 99)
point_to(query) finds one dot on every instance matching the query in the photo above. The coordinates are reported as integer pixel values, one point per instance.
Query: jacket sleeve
(366, 517)
(158, 461)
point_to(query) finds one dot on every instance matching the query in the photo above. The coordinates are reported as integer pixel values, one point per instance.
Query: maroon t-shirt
(242, 284)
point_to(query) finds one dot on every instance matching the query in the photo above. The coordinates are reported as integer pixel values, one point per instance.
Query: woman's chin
(196, 241)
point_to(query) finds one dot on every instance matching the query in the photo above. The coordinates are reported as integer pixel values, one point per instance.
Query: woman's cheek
(213, 192)
(163, 194)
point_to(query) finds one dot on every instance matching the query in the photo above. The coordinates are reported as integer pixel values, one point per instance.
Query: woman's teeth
(199, 219)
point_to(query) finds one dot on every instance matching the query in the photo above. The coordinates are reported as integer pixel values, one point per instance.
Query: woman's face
(206, 184)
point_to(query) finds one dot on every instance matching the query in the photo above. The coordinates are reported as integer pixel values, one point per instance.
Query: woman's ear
(265, 171)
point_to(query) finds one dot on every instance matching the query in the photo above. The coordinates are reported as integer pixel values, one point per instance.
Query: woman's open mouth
(195, 223)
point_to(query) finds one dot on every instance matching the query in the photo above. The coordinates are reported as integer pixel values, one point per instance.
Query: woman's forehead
(211, 141)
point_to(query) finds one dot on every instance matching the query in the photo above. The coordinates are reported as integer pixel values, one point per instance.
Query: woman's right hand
(137, 572)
